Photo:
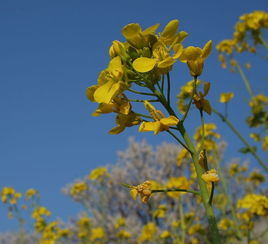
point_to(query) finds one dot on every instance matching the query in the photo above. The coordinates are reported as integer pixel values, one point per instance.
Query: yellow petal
(169, 61)
(207, 49)
(90, 92)
(178, 49)
(150, 126)
(171, 28)
(190, 54)
(116, 130)
(133, 193)
(206, 88)
(131, 30)
(150, 30)
(149, 106)
(226, 97)
(106, 92)
(144, 64)
(104, 108)
(206, 106)
(169, 121)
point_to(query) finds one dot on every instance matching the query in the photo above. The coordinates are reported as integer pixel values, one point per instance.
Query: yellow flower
(160, 212)
(138, 38)
(8, 194)
(120, 222)
(226, 46)
(185, 93)
(255, 136)
(123, 234)
(165, 234)
(39, 212)
(148, 232)
(256, 177)
(97, 233)
(226, 97)
(161, 123)
(210, 176)
(182, 155)
(30, 193)
(177, 182)
(98, 173)
(265, 143)
(160, 55)
(195, 58)
(120, 104)
(125, 120)
(225, 224)
(196, 228)
(144, 190)
(78, 188)
(256, 204)
(200, 101)
(110, 83)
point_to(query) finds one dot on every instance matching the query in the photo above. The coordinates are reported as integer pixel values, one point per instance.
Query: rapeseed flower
(226, 97)
(256, 204)
(210, 176)
(161, 122)
(195, 58)
(98, 173)
(144, 190)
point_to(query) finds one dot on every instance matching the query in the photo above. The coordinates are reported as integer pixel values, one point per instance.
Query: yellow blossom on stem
(226, 97)
(210, 176)
(144, 190)
(110, 83)
(30, 193)
(8, 194)
(161, 122)
(200, 101)
(195, 58)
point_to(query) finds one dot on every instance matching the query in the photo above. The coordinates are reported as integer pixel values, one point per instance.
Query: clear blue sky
(50, 51)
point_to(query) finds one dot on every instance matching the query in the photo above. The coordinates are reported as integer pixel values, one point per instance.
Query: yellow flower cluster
(9, 195)
(248, 28)
(251, 23)
(98, 173)
(144, 190)
(256, 204)
(78, 188)
(141, 60)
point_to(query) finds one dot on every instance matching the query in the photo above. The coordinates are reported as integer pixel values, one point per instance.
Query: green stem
(245, 79)
(143, 115)
(178, 140)
(141, 101)
(176, 189)
(168, 88)
(264, 43)
(211, 193)
(199, 171)
(191, 99)
(203, 130)
(141, 93)
(242, 139)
